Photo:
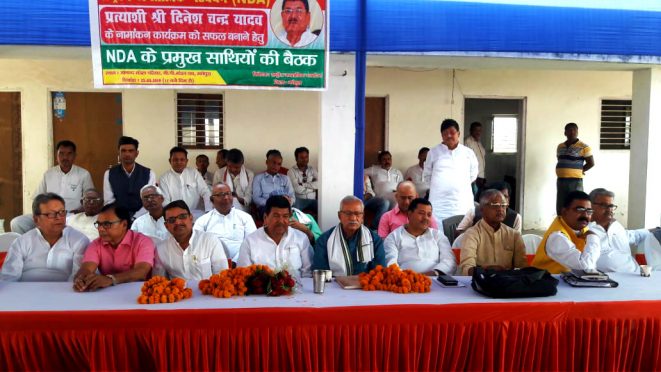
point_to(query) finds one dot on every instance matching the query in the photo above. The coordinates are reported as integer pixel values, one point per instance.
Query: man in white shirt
(65, 179)
(202, 166)
(474, 143)
(568, 244)
(122, 182)
(239, 179)
(417, 246)
(183, 183)
(450, 168)
(384, 180)
(187, 253)
(152, 223)
(304, 179)
(276, 244)
(51, 252)
(615, 241)
(414, 173)
(228, 224)
(84, 221)
(296, 23)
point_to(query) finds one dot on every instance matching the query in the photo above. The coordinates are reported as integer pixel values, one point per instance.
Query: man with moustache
(398, 216)
(568, 244)
(184, 183)
(450, 169)
(187, 253)
(490, 243)
(202, 166)
(417, 246)
(152, 223)
(614, 239)
(229, 224)
(296, 22)
(574, 159)
(51, 252)
(276, 244)
(349, 248)
(238, 178)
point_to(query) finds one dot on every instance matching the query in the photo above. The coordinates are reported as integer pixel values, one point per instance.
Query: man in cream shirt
(418, 247)
(49, 253)
(84, 221)
(187, 254)
(152, 223)
(227, 223)
(276, 244)
(183, 183)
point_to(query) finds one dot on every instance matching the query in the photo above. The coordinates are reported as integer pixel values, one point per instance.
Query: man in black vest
(122, 183)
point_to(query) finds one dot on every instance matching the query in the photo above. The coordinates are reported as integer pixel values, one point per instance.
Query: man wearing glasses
(296, 23)
(490, 243)
(568, 244)
(229, 224)
(188, 254)
(52, 251)
(151, 223)
(84, 222)
(120, 255)
(350, 248)
(614, 239)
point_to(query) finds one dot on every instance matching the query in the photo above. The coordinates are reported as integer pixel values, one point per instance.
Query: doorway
(503, 130)
(375, 128)
(11, 176)
(93, 121)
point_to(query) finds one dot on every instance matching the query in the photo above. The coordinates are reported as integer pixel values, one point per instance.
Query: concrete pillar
(337, 138)
(645, 155)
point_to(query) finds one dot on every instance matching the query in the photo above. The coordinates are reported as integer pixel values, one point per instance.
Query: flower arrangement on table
(159, 290)
(395, 280)
(254, 279)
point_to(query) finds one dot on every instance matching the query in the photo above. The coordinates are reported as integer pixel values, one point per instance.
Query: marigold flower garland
(395, 280)
(254, 279)
(159, 290)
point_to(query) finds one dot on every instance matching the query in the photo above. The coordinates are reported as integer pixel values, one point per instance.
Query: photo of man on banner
(296, 23)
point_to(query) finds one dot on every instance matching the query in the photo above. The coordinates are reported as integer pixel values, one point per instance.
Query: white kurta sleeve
(12, 269)
(87, 182)
(390, 245)
(428, 168)
(447, 263)
(218, 256)
(204, 191)
(563, 250)
(474, 166)
(244, 259)
(108, 195)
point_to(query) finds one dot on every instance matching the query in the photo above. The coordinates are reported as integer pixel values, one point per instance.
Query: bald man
(398, 216)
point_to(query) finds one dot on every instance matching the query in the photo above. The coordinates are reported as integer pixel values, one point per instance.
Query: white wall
(420, 100)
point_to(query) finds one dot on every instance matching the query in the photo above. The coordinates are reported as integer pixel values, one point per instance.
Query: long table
(48, 326)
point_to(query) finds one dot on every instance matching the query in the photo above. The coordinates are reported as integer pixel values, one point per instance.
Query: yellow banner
(162, 77)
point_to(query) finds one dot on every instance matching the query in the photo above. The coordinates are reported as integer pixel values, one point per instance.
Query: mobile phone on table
(446, 279)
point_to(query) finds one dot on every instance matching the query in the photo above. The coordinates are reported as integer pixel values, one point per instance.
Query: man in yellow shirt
(574, 159)
(490, 243)
(568, 244)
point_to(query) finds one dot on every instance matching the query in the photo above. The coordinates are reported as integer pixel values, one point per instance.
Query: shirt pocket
(61, 261)
(293, 254)
(204, 268)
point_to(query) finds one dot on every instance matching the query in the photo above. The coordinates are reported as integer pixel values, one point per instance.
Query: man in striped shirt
(574, 159)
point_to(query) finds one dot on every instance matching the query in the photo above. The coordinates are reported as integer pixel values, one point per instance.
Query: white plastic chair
(531, 242)
(6, 239)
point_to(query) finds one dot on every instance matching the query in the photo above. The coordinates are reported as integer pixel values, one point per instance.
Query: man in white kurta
(414, 173)
(226, 223)
(276, 244)
(474, 143)
(239, 179)
(450, 169)
(65, 179)
(152, 223)
(183, 183)
(614, 239)
(84, 221)
(49, 253)
(418, 247)
(188, 254)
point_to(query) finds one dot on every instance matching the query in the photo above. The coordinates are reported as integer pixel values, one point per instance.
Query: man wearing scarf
(238, 178)
(350, 248)
(568, 244)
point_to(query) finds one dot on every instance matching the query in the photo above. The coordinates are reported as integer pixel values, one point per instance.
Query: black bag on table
(526, 282)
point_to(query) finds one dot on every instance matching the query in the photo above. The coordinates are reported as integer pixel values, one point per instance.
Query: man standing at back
(574, 159)
(450, 168)
(474, 143)
(65, 179)
(122, 183)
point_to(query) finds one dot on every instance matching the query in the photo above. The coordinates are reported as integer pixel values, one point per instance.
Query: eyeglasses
(222, 194)
(174, 219)
(92, 200)
(150, 197)
(54, 215)
(105, 224)
(498, 205)
(581, 210)
(349, 213)
(607, 206)
(297, 11)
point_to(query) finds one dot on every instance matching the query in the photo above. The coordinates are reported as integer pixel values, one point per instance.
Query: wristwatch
(112, 277)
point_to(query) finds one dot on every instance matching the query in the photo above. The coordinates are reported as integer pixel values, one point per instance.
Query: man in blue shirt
(350, 248)
(271, 182)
